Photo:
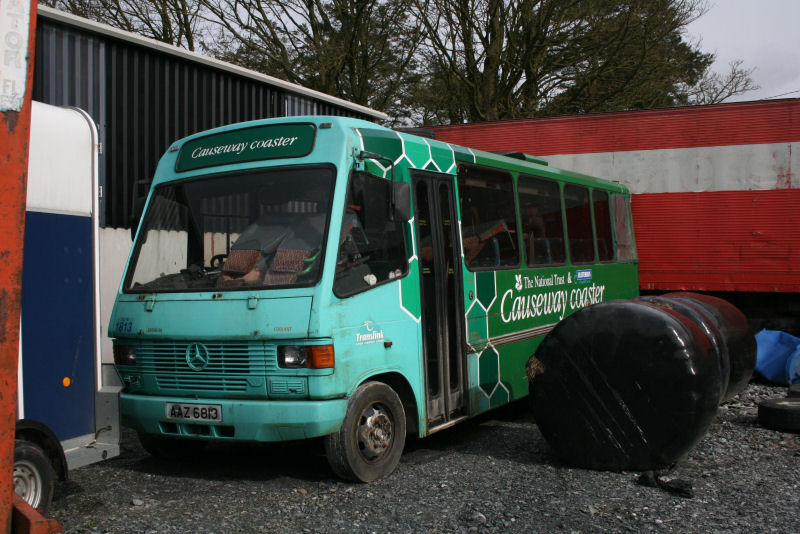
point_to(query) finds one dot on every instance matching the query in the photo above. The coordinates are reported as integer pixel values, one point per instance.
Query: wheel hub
(27, 483)
(375, 433)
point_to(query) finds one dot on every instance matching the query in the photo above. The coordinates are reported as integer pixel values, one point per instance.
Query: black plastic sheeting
(625, 385)
(708, 324)
(738, 342)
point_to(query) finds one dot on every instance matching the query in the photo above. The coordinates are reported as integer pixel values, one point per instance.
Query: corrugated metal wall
(142, 100)
(719, 240)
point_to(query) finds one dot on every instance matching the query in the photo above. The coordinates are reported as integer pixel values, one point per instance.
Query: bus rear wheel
(372, 437)
(34, 477)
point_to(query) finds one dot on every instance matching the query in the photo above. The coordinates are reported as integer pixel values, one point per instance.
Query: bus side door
(441, 288)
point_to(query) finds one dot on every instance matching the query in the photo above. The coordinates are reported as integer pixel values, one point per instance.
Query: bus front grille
(207, 367)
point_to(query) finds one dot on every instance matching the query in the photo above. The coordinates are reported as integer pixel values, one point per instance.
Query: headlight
(124, 355)
(312, 356)
(292, 356)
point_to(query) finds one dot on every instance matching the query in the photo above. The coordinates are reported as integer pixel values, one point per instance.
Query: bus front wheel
(370, 442)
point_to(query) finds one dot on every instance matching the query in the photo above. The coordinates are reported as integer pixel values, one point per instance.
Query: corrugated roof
(741, 123)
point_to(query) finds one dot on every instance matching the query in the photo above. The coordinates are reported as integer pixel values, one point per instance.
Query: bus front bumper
(242, 420)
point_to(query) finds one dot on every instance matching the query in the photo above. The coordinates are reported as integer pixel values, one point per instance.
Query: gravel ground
(492, 474)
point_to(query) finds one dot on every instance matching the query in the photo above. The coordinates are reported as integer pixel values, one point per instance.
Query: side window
(579, 224)
(602, 225)
(542, 224)
(371, 247)
(488, 218)
(623, 224)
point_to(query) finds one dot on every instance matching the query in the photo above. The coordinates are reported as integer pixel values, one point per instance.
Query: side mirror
(138, 208)
(401, 196)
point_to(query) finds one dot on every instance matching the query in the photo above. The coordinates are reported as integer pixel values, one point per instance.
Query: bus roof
(294, 137)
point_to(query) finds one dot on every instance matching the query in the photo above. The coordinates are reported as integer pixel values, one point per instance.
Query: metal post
(17, 27)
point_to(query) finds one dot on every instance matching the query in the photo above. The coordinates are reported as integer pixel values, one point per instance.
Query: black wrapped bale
(708, 323)
(624, 385)
(739, 340)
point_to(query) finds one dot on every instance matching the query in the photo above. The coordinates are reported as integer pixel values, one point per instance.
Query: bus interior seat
(539, 252)
(604, 250)
(286, 266)
(241, 261)
(557, 249)
(582, 250)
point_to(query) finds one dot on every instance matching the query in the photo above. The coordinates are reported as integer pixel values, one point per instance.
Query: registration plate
(194, 412)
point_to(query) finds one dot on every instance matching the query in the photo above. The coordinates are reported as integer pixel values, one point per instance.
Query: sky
(765, 34)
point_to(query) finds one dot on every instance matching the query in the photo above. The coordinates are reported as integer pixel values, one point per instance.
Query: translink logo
(371, 336)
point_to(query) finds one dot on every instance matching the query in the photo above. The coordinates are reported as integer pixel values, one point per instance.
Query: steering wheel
(216, 261)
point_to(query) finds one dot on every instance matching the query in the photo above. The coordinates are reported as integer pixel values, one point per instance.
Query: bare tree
(362, 50)
(176, 22)
(714, 88)
(438, 61)
(495, 59)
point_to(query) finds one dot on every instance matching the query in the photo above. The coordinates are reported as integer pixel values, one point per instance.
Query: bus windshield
(261, 229)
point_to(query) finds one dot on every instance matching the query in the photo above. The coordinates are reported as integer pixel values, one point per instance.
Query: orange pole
(17, 30)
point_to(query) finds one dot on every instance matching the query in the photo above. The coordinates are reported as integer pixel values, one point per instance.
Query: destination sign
(250, 144)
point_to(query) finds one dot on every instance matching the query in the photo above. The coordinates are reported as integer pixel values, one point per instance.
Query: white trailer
(68, 412)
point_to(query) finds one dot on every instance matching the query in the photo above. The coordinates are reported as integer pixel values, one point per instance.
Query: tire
(780, 414)
(793, 391)
(370, 442)
(34, 476)
(168, 448)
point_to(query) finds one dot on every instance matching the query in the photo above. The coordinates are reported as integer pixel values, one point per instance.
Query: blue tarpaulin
(778, 357)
